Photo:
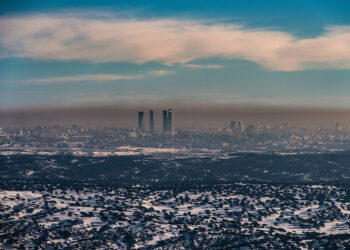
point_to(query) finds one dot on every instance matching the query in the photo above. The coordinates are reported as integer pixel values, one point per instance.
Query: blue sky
(288, 53)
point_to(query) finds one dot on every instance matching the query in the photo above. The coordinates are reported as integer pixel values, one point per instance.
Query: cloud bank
(169, 41)
(95, 77)
(198, 66)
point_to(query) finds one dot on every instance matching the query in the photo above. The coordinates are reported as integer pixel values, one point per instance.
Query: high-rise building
(337, 126)
(241, 126)
(141, 125)
(151, 121)
(165, 121)
(237, 126)
(251, 128)
(170, 121)
(234, 125)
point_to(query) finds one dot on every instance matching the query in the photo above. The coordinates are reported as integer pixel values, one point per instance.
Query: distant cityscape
(238, 136)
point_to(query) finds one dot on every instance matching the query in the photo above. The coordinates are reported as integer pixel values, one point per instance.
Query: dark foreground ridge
(331, 168)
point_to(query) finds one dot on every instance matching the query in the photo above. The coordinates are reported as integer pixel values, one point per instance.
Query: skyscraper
(337, 126)
(241, 126)
(233, 125)
(165, 121)
(237, 126)
(170, 121)
(151, 121)
(140, 121)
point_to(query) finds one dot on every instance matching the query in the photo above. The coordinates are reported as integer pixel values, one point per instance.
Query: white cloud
(94, 77)
(198, 66)
(160, 73)
(169, 41)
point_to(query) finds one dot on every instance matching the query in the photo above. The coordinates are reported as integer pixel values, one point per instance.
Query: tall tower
(165, 121)
(337, 126)
(233, 125)
(241, 126)
(141, 126)
(151, 121)
(171, 121)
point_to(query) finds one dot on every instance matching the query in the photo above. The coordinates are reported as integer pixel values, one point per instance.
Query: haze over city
(188, 115)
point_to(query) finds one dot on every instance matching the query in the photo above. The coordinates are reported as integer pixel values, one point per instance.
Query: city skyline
(200, 115)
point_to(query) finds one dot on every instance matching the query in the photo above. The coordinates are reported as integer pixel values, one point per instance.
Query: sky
(86, 53)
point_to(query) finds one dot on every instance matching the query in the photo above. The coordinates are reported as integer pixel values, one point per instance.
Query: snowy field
(204, 216)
